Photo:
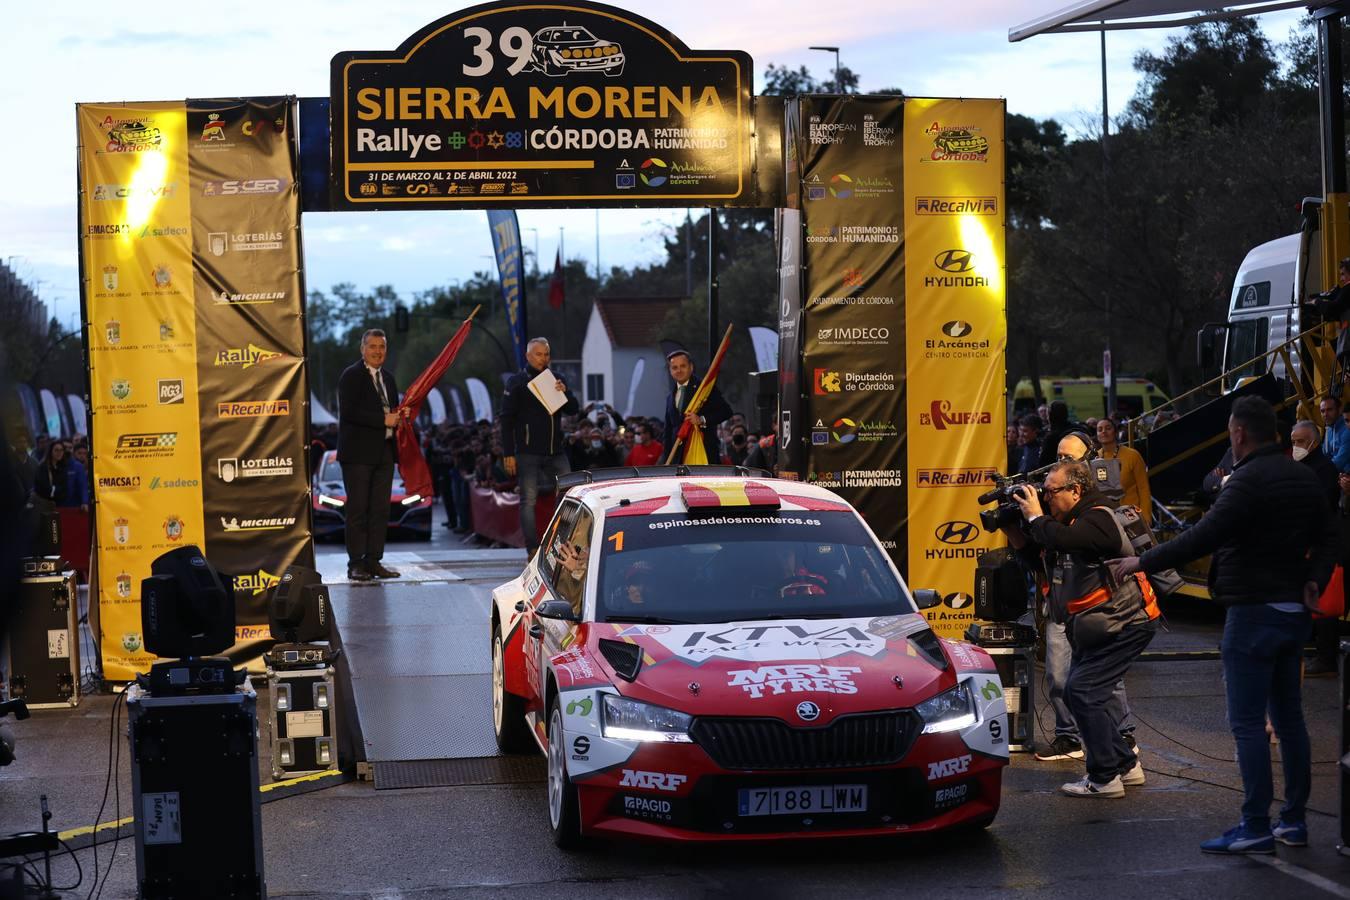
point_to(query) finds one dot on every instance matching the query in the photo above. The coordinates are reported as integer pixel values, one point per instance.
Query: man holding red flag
(703, 420)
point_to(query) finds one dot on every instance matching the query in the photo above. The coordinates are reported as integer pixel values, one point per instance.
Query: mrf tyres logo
(652, 781)
(794, 678)
(953, 537)
(957, 268)
(941, 416)
(946, 768)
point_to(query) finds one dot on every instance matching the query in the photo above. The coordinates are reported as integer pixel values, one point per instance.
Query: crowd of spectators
(54, 472)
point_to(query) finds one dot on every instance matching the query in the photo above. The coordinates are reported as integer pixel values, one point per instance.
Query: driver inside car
(803, 579)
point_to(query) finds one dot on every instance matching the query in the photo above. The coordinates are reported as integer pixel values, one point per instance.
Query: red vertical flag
(556, 289)
(412, 465)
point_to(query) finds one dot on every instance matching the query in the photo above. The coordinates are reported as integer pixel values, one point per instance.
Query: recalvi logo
(246, 409)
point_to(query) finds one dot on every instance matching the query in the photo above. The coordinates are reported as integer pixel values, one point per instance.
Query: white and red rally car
(709, 657)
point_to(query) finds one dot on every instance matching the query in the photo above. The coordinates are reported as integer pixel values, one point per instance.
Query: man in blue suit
(715, 410)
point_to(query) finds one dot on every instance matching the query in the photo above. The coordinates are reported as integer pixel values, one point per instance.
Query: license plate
(816, 798)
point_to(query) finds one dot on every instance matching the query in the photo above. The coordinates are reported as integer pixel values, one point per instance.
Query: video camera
(1005, 487)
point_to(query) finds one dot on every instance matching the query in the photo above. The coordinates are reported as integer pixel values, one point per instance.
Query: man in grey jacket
(1274, 542)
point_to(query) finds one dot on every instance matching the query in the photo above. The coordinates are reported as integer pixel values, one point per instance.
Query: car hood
(770, 667)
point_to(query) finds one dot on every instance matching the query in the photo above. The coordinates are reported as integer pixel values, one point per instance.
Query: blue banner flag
(511, 268)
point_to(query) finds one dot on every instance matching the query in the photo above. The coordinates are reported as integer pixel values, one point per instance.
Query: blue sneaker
(1291, 834)
(1242, 839)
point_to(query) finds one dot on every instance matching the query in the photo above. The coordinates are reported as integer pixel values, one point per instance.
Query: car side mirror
(927, 599)
(556, 609)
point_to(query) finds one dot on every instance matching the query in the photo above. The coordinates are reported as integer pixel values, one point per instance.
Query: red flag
(412, 465)
(556, 288)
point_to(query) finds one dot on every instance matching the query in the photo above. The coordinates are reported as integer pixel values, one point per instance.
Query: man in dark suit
(367, 398)
(715, 410)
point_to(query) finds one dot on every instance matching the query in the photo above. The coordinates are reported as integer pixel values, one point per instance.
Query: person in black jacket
(1059, 426)
(715, 410)
(1073, 541)
(1307, 449)
(1274, 543)
(367, 398)
(532, 437)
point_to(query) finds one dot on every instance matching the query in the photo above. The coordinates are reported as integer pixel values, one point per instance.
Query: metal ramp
(415, 676)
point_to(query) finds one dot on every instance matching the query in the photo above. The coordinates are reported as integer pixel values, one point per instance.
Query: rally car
(961, 140)
(707, 656)
(561, 49)
(135, 134)
(409, 514)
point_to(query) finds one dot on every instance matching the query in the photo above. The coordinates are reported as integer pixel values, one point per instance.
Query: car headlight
(949, 711)
(631, 720)
(332, 501)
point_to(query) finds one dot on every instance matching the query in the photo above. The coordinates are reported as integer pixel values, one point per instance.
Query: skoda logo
(957, 532)
(808, 711)
(956, 261)
(957, 329)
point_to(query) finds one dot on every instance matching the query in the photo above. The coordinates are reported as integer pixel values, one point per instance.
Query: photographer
(1070, 545)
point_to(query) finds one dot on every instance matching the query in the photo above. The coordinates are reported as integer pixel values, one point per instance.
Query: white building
(621, 356)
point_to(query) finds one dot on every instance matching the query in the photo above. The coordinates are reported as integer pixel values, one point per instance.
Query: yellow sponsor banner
(956, 337)
(136, 245)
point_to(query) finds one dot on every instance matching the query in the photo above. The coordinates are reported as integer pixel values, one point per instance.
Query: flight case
(44, 641)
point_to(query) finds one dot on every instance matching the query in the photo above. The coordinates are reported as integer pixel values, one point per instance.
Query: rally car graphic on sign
(563, 49)
(713, 658)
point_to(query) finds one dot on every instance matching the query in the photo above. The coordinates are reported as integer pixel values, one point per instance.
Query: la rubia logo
(941, 416)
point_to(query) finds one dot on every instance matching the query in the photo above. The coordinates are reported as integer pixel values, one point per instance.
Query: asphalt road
(350, 840)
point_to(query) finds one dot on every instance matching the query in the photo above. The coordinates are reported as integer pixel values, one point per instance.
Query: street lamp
(835, 51)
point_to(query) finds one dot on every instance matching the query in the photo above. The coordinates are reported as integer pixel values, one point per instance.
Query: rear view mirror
(927, 599)
(555, 609)
(1209, 341)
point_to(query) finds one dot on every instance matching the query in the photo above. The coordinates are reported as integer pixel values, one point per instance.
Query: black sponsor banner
(851, 330)
(252, 386)
(562, 103)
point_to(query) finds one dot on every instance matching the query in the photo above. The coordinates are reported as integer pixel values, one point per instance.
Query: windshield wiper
(646, 620)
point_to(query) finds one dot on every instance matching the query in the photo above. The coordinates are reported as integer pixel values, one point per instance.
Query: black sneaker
(1062, 747)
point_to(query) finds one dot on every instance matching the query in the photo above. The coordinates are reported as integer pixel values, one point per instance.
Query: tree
(1229, 64)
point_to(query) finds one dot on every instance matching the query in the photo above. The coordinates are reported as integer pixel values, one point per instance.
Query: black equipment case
(44, 642)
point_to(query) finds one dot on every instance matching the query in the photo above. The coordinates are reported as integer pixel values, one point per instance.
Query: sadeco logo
(653, 172)
(957, 532)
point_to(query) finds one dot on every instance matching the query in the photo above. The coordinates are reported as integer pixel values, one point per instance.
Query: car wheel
(563, 808)
(508, 710)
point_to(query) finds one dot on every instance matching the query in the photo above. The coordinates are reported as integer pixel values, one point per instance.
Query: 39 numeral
(515, 43)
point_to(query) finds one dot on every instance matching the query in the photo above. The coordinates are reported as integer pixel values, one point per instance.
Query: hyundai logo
(808, 711)
(957, 532)
(957, 329)
(957, 261)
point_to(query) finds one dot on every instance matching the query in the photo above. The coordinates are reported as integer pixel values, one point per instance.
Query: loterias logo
(248, 409)
(245, 357)
(230, 468)
(940, 416)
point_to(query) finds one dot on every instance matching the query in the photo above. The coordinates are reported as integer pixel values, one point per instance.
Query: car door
(534, 627)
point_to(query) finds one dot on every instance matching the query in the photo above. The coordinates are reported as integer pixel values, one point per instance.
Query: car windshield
(727, 568)
(571, 36)
(332, 471)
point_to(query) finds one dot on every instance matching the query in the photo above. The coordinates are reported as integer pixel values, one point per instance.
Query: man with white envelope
(532, 435)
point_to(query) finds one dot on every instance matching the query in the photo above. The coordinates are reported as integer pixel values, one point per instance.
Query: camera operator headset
(1069, 545)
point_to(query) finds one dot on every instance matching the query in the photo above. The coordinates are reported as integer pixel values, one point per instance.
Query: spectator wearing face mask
(738, 447)
(598, 452)
(647, 451)
(1307, 450)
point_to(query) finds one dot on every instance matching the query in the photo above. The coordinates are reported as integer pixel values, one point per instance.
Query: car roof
(606, 495)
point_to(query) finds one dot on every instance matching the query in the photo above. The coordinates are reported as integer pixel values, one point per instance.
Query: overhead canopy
(1124, 15)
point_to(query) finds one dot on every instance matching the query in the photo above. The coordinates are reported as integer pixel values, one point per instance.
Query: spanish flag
(690, 437)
